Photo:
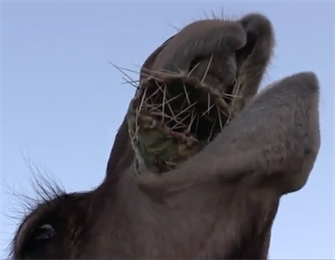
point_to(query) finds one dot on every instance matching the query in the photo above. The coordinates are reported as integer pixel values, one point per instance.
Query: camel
(220, 203)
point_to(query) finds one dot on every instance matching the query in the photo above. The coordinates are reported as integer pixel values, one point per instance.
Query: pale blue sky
(62, 102)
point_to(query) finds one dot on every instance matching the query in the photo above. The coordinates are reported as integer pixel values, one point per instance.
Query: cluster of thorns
(175, 107)
(183, 104)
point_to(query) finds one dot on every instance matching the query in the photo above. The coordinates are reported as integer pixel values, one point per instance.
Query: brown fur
(147, 66)
(220, 204)
(200, 39)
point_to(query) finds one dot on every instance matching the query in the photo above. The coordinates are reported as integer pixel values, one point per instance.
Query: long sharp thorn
(120, 70)
(140, 107)
(185, 109)
(171, 111)
(186, 94)
(129, 70)
(211, 133)
(230, 95)
(181, 122)
(132, 83)
(154, 93)
(175, 97)
(159, 113)
(207, 111)
(228, 119)
(191, 71)
(168, 101)
(207, 69)
(235, 92)
(164, 99)
(219, 115)
(191, 122)
(208, 102)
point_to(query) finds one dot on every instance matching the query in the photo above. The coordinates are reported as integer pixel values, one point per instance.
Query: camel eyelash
(46, 191)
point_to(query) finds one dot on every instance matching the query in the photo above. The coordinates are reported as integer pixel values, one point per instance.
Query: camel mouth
(172, 118)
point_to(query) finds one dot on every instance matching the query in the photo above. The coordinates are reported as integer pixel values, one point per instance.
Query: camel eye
(43, 232)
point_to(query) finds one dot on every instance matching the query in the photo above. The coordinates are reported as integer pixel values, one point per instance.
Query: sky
(62, 102)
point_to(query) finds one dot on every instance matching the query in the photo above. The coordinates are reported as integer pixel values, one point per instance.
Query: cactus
(171, 118)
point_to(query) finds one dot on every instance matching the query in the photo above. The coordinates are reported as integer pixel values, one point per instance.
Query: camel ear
(122, 154)
(147, 65)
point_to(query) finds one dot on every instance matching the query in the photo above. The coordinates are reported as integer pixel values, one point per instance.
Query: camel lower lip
(172, 119)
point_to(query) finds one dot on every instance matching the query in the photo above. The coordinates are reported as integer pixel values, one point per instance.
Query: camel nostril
(259, 37)
(243, 53)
